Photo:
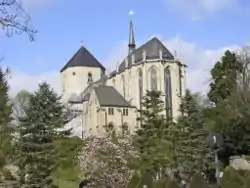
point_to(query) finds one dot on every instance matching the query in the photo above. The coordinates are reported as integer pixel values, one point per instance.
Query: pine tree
(151, 136)
(42, 122)
(5, 120)
(192, 153)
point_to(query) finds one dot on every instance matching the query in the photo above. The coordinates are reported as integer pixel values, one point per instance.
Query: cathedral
(111, 101)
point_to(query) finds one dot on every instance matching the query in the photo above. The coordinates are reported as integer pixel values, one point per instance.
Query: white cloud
(198, 59)
(196, 9)
(21, 80)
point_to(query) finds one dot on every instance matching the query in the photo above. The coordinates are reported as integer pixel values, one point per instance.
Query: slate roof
(109, 96)
(83, 58)
(152, 48)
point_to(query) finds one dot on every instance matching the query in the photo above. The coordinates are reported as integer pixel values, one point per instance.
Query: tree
(6, 127)
(192, 153)
(236, 109)
(20, 102)
(224, 77)
(151, 138)
(14, 19)
(42, 123)
(107, 161)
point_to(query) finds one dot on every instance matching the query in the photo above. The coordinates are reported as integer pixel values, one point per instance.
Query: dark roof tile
(109, 96)
(83, 58)
(152, 48)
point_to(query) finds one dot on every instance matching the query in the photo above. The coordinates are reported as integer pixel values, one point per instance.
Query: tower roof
(152, 48)
(83, 58)
(131, 43)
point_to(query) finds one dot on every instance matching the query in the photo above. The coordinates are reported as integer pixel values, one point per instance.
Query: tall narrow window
(168, 92)
(90, 77)
(123, 86)
(180, 80)
(140, 87)
(153, 79)
(113, 83)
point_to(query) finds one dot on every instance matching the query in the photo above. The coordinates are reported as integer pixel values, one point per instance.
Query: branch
(14, 19)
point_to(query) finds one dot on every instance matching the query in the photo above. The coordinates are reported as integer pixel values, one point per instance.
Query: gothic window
(168, 92)
(180, 80)
(123, 86)
(153, 78)
(140, 86)
(90, 77)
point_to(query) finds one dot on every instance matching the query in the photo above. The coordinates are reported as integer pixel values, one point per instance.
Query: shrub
(162, 183)
(173, 184)
(198, 181)
(135, 181)
(231, 178)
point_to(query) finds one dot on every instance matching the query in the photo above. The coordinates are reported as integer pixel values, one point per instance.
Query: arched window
(123, 86)
(90, 77)
(153, 79)
(180, 80)
(140, 88)
(113, 82)
(168, 92)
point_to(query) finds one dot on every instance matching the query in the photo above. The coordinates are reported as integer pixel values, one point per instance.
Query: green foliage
(173, 184)
(66, 150)
(151, 138)
(6, 127)
(163, 183)
(229, 91)
(147, 180)
(198, 181)
(192, 153)
(21, 101)
(42, 123)
(224, 76)
(231, 178)
(138, 180)
(135, 181)
(247, 181)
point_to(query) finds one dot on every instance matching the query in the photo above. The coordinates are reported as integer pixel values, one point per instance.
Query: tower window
(74, 73)
(90, 77)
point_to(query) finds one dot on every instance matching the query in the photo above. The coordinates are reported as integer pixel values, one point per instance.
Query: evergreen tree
(5, 119)
(224, 77)
(192, 153)
(42, 122)
(229, 91)
(151, 137)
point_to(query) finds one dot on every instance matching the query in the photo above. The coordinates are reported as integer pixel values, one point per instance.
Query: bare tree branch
(14, 19)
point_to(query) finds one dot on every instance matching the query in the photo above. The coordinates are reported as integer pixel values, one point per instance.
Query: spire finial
(131, 44)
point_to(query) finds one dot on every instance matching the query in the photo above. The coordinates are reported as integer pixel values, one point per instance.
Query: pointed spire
(131, 44)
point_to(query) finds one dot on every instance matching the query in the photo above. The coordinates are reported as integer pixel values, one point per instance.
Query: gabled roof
(152, 48)
(108, 96)
(83, 58)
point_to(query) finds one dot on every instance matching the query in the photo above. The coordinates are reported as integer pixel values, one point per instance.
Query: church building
(111, 101)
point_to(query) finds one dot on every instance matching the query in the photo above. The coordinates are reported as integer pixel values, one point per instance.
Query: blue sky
(202, 28)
